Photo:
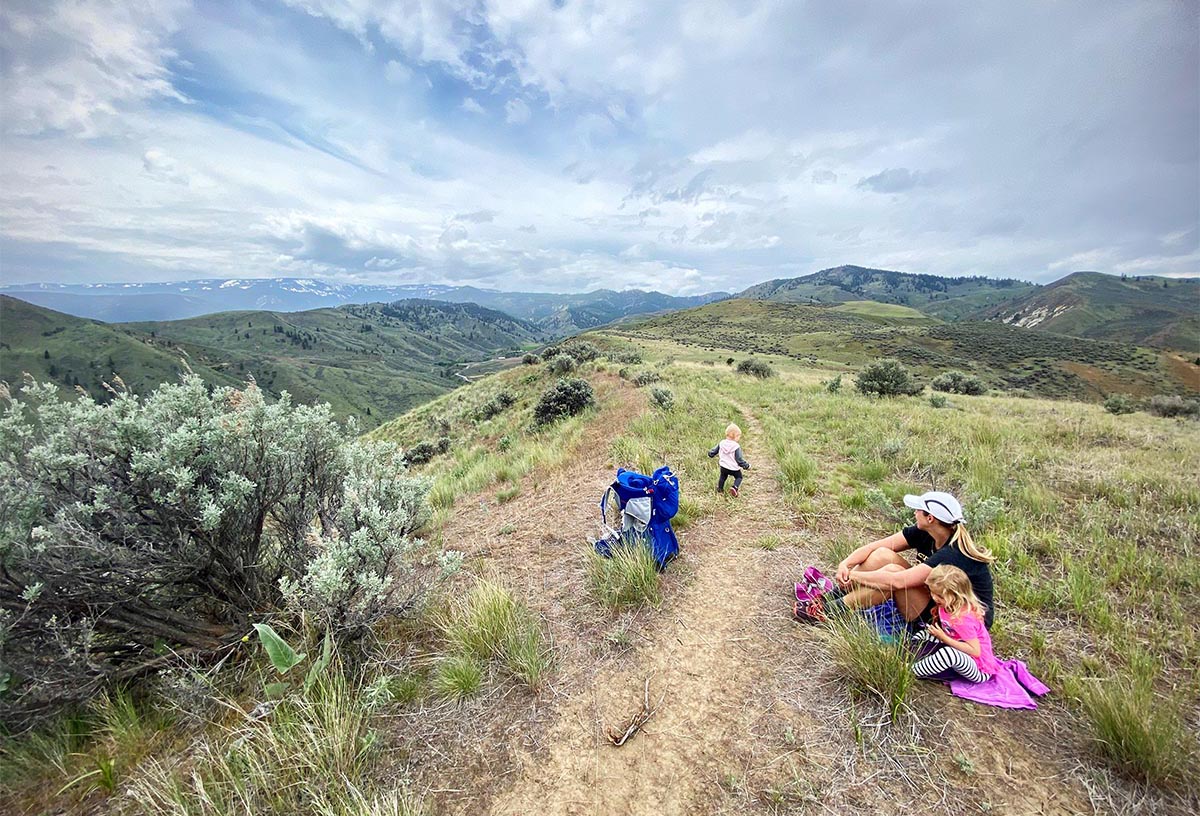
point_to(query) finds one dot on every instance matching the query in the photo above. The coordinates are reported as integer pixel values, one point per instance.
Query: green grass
(283, 763)
(629, 578)
(1137, 731)
(458, 676)
(491, 624)
(872, 668)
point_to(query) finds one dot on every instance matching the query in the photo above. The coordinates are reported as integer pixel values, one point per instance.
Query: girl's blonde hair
(955, 588)
(733, 432)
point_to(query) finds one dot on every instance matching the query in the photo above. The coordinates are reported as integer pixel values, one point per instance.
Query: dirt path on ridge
(706, 659)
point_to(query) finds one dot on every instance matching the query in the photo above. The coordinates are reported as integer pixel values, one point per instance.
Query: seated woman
(876, 571)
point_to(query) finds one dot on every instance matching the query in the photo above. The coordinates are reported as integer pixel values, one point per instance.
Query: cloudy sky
(565, 145)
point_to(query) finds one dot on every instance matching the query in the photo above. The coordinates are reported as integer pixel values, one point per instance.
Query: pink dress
(967, 626)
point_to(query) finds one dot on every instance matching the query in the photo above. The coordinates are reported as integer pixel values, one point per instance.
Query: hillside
(371, 361)
(558, 314)
(1006, 357)
(948, 298)
(72, 352)
(1148, 310)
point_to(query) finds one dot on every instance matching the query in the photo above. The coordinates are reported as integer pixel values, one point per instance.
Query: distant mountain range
(559, 315)
(1146, 310)
(373, 361)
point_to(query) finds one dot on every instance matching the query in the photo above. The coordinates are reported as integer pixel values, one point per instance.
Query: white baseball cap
(942, 506)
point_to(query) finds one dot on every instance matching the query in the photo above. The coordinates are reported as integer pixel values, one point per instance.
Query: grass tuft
(458, 676)
(630, 577)
(1141, 734)
(491, 624)
(872, 667)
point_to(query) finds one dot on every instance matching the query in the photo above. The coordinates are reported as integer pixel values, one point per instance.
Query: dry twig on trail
(620, 737)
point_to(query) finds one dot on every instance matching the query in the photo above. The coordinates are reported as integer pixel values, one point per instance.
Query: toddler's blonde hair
(733, 432)
(955, 588)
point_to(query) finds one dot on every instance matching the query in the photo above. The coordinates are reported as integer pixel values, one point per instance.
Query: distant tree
(46, 354)
(1120, 404)
(887, 378)
(956, 382)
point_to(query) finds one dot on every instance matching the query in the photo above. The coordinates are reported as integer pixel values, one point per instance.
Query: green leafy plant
(563, 399)
(756, 368)
(1120, 404)
(957, 382)
(887, 378)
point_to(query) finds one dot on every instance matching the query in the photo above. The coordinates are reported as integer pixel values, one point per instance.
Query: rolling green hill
(948, 298)
(73, 351)
(372, 361)
(1152, 311)
(1007, 357)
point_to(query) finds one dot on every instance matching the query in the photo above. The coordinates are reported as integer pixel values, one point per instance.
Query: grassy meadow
(1094, 519)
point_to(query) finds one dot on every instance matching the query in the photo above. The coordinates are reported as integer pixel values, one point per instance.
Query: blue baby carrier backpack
(646, 505)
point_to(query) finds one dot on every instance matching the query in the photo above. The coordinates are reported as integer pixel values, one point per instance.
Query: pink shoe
(733, 492)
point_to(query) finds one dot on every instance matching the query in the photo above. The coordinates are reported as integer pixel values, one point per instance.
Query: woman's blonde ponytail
(962, 537)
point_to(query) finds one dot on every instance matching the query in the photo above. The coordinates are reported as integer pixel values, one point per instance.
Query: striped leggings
(948, 663)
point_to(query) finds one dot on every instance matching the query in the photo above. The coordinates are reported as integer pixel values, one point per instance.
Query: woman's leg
(948, 663)
(911, 601)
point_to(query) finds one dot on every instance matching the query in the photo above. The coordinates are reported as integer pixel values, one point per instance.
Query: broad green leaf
(276, 690)
(283, 657)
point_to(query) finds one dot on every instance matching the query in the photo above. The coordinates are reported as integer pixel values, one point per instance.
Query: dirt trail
(706, 659)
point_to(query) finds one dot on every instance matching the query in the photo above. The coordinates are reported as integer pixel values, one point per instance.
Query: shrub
(1120, 404)
(171, 519)
(550, 351)
(628, 578)
(531, 359)
(728, 361)
(563, 399)
(956, 382)
(662, 398)
(756, 368)
(937, 400)
(872, 667)
(495, 406)
(561, 364)
(646, 377)
(581, 350)
(1173, 406)
(887, 378)
(833, 386)
(423, 452)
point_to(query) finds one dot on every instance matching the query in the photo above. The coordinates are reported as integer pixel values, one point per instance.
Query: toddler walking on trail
(731, 459)
(966, 650)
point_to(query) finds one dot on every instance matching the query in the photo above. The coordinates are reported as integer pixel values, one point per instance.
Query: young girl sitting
(732, 462)
(967, 652)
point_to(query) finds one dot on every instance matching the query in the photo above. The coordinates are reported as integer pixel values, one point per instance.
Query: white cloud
(714, 147)
(76, 66)
(516, 112)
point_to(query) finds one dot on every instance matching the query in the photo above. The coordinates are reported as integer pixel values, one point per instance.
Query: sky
(571, 145)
